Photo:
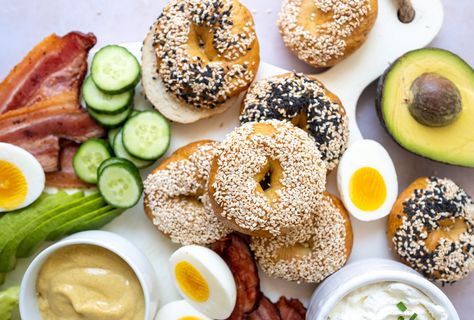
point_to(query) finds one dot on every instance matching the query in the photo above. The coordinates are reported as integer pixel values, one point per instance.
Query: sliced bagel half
(165, 102)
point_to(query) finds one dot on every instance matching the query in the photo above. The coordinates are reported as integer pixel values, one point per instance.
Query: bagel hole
(267, 181)
(450, 229)
(200, 43)
(296, 251)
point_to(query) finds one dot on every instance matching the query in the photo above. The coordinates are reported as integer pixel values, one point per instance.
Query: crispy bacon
(291, 309)
(55, 116)
(266, 311)
(236, 253)
(40, 109)
(39, 127)
(56, 65)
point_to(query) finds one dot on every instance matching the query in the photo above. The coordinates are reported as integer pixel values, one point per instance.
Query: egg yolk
(191, 282)
(367, 189)
(189, 318)
(13, 186)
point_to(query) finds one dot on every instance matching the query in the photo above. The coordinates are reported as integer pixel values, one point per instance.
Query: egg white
(367, 153)
(30, 168)
(179, 309)
(217, 275)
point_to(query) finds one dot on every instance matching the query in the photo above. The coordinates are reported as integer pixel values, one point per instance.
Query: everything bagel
(203, 53)
(305, 102)
(431, 228)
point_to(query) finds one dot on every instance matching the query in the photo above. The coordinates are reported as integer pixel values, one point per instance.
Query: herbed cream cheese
(387, 301)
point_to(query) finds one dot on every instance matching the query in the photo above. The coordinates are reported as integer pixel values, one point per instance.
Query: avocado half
(451, 138)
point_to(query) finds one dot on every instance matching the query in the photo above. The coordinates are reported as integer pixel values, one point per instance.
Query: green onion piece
(413, 317)
(401, 306)
(401, 318)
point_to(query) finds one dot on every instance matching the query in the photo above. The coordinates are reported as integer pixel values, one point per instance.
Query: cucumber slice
(102, 102)
(121, 152)
(88, 158)
(115, 70)
(111, 135)
(109, 162)
(120, 185)
(111, 120)
(146, 135)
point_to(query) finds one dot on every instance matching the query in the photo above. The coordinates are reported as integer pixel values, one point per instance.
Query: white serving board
(388, 40)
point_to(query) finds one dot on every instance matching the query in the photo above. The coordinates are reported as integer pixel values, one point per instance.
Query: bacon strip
(40, 109)
(236, 253)
(38, 128)
(55, 116)
(266, 311)
(54, 66)
(291, 309)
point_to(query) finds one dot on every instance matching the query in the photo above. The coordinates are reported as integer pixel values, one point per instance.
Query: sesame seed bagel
(304, 101)
(312, 252)
(323, 32)
(266, 178)
(176, 198)
(201, 52)
(431, 229)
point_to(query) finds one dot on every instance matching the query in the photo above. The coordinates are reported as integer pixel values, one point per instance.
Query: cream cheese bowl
(139, 263)
(365, 272)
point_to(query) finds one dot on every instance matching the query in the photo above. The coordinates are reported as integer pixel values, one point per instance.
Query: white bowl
(365, 272)
(122, 247)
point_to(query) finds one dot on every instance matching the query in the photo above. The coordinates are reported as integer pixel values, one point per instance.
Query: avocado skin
(379, 96)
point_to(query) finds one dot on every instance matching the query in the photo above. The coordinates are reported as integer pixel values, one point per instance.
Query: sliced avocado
(97, 221)
(54, 220)
(64, 228)
(24, 230)
(425, 100)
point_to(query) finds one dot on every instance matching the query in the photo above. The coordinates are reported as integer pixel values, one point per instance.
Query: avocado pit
(436, 101)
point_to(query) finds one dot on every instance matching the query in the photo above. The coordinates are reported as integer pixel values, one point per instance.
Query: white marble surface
(23, 23)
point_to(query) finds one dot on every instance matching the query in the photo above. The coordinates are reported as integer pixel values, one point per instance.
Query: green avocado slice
(25, 226)
(452, 143)
(54, 220)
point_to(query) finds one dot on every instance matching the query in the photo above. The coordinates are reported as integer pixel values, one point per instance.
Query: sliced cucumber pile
(136, 138)
(115, 70)
(120, 184)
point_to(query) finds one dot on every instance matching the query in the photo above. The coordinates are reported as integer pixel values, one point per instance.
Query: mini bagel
(305, 102)
(431, 229)
(312, 252)
(323, 32)
(252, 202)
(200, 55)
(176, 199)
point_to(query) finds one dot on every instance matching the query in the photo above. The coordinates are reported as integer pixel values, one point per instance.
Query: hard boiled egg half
(21, 177)
(180, 310)
(204, 280)
(367, 180)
